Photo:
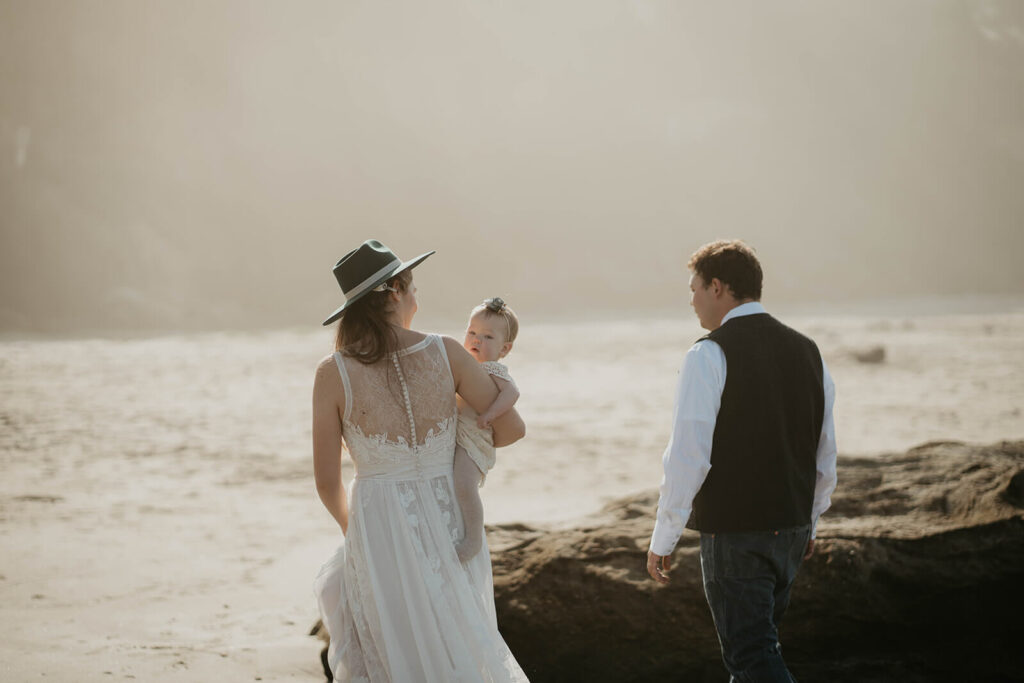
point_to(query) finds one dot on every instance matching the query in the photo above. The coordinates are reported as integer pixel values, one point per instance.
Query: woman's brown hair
(364, 332)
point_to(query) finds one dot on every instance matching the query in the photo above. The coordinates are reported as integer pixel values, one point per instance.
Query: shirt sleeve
(687, 458)
(825, 480)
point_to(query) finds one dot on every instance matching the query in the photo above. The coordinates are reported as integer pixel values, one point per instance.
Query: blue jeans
(747, 580)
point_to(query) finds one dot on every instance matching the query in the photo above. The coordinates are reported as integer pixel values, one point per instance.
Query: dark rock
(872, 354)
(918, 575)
(1014, 492)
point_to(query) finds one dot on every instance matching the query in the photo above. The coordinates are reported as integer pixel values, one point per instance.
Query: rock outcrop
(918, 575)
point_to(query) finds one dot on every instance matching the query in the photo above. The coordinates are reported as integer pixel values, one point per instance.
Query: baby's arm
(508, 394)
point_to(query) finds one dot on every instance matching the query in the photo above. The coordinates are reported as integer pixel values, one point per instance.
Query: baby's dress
(479, 443)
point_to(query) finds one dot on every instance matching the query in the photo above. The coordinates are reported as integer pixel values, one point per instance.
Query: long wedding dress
(396, 601)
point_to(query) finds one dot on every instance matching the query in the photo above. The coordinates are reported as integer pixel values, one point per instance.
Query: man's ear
(720, 289)
(505, 348)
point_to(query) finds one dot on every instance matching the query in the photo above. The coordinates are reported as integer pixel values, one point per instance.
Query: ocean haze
(184, 166)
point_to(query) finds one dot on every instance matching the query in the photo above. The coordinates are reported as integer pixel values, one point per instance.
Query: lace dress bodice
(399, 419)
(396, 600)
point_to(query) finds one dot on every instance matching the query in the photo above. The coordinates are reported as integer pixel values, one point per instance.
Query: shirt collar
(749, 308)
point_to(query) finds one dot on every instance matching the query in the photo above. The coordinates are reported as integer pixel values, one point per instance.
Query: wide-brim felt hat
(369, 266)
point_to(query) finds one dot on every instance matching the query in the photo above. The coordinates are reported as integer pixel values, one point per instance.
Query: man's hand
(658, 567)
(810, 549)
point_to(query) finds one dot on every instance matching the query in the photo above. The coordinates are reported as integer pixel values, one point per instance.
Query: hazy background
(182, 165)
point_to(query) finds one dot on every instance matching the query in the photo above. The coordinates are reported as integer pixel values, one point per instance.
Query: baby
(492, 329)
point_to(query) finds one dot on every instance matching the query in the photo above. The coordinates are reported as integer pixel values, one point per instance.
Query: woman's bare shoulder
(456, 352)
(327, 369)
(449, 341)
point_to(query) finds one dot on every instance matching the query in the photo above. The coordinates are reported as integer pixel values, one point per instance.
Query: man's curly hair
(733, 263)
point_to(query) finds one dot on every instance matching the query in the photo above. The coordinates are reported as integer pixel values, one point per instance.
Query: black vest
(766, 435)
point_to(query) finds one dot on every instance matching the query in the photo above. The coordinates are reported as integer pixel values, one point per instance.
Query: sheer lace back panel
(400, 413)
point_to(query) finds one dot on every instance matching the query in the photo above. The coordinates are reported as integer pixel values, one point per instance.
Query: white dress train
(396, 601)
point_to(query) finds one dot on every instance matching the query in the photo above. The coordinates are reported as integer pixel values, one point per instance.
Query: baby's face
(485, 337)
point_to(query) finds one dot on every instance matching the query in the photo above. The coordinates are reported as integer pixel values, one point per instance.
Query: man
(751, 463)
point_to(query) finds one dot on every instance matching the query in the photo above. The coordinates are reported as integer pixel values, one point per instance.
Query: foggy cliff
(169, 165)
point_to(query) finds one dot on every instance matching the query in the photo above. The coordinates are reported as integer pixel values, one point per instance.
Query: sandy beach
(172, 173)
(158, 518)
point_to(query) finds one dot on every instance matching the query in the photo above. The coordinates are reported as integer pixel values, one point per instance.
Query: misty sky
(195, 165)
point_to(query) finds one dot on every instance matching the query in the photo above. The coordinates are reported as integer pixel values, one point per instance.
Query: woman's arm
(508, 394)
(328, 405)
(474, 385)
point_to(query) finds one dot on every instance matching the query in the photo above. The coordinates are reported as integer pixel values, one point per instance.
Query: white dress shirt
(687, 458)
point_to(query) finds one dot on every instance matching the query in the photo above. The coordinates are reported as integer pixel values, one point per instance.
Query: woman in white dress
(396, 601)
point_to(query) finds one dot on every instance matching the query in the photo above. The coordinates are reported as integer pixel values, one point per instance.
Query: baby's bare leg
(467, 493)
